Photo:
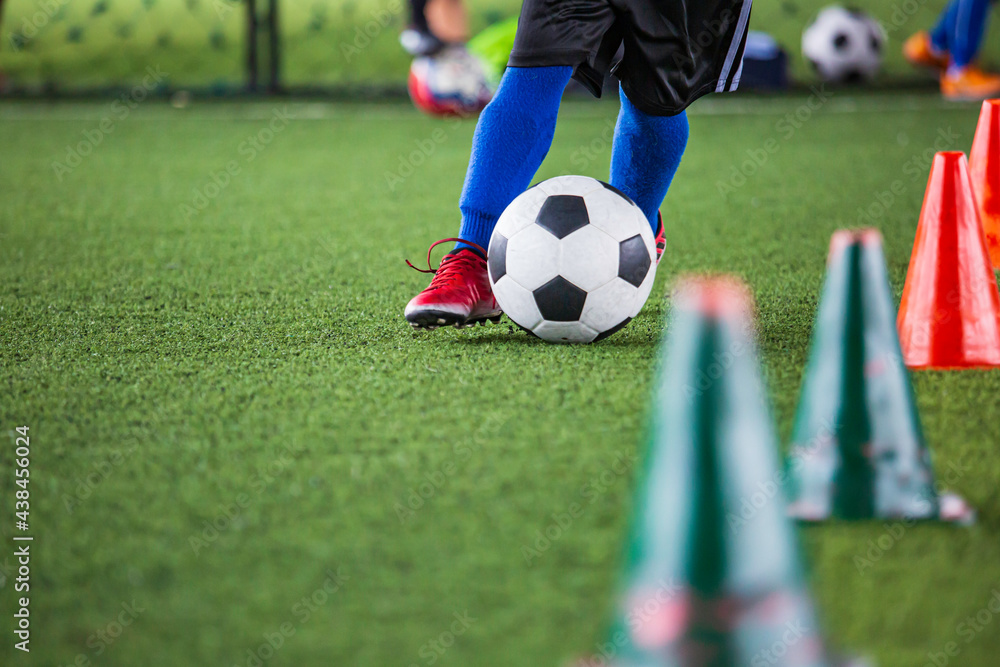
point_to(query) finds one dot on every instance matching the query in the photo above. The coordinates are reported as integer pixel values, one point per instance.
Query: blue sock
(512, 137)
(960, 30)
(646, 153)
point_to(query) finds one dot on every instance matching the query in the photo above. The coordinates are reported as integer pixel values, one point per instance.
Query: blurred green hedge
(85, 44)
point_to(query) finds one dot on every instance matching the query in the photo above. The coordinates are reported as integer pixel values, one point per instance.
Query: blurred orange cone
(949, 316)
(984, 166)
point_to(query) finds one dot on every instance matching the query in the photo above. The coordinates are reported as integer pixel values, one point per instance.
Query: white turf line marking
(721, 105)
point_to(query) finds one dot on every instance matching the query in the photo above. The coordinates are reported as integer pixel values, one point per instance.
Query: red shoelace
(449, 265)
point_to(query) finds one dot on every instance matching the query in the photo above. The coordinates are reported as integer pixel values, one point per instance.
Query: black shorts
(675, 50)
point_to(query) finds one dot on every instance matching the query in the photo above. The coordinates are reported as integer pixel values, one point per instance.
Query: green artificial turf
(250, 359)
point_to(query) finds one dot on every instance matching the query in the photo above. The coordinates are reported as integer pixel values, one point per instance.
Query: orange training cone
(949, 316)
(984, 166)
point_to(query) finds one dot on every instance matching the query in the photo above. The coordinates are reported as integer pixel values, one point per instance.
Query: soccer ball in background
(572, 260)
(844, 45)
(452, 82)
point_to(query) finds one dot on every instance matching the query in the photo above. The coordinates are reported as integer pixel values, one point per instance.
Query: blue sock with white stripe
(646, 153)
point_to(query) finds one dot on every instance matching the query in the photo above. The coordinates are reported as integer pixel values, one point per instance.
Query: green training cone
(712, 574)
(858, 451)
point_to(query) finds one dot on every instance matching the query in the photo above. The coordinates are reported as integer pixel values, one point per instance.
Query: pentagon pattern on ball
(570, 185)
(602, 250)
(572, 260)
(614, 215)
(497, 254)
(565, 332)
(532, 257)
(560, 300)
(608, 305)
(562, 215)
(518, 300)
(608, 186)
(633, 260)
(517, 218)
(613, 330)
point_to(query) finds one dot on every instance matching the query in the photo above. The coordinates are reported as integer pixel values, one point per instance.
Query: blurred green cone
(858, 450)
(712, 575)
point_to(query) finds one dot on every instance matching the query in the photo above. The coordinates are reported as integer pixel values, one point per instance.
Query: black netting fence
(217, 45)
(228, 45)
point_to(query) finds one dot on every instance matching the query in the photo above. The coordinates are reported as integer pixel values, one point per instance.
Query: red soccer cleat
(459, 295)
(661, 241)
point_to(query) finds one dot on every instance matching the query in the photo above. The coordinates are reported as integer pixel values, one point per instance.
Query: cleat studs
(441, 320)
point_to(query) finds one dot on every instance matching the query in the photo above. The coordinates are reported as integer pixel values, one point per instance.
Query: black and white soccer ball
(844, 45)
(572, 260)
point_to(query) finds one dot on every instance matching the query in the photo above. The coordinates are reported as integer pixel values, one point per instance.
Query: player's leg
(554, 41)
(941, 34)
(674, 53)
(963, 26)
(967, 31)
(645, 156)
(512, 138)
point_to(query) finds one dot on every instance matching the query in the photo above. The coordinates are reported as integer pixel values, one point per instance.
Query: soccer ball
(572, 260)
(844, 45)
(449, 83)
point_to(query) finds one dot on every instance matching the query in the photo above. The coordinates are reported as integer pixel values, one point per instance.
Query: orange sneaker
(920, 52)
(969, 84)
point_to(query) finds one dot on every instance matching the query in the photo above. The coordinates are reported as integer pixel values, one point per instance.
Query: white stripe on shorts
(741, 28)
